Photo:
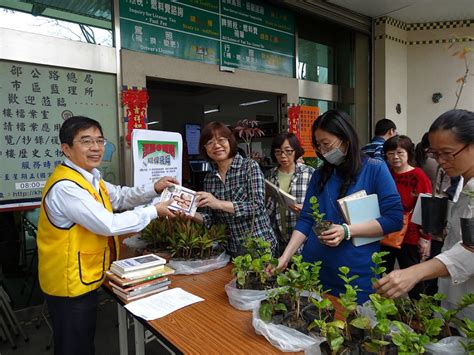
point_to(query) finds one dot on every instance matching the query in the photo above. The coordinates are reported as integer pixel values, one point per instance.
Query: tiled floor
(106, 339)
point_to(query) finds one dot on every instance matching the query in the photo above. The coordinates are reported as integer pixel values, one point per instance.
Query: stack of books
(139, 276)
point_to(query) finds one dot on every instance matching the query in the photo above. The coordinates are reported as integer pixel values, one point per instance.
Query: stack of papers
(162, 304)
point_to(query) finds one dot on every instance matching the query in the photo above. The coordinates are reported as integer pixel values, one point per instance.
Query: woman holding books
(452, 144)
(345, 171)
(234, 191)
(410, 182)
(293, 178)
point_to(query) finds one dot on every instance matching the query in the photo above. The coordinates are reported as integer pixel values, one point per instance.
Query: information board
(234, 33)
(34, 101)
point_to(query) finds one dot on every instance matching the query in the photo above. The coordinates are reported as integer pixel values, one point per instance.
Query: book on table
(138, 273)
(184, 199)
(357, 208)
(279, 195)
(135, 297)
(141, 288)
(136, 279)
(138, 263)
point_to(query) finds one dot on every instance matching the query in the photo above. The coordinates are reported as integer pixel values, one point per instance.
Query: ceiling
(411, 11)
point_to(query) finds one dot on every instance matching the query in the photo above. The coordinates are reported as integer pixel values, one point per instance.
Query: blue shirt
(374, 149)
(374, 177)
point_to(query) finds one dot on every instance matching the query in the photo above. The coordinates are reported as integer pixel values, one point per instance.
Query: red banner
(300, 121)
(135, 102)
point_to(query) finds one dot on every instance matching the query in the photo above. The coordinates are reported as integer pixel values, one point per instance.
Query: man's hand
(396, 284)
(164, 182)
(296, 208)
(163, 210)
(424, 248)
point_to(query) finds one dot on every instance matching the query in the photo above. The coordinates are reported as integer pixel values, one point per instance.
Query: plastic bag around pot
(244, 299)
(192, 267)
(284, 338)
(433, 214)
(447, 346)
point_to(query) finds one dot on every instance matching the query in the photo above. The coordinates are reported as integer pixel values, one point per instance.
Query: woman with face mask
(345, 171)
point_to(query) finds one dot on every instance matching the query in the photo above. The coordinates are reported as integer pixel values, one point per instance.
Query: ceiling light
(253, 102)
(154, 122)
(217, 109)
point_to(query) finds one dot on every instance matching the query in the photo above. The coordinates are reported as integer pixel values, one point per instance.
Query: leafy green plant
(384, 309)
(378, 269)
(467, 326)
(332, 331)
(407, 341)
(254, 263)
(299, 277)
(272, 305)
(184, 238)
(317, 216)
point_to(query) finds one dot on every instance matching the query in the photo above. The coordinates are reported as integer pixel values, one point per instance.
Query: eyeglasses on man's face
(445, 156)
(287, 152)
(221, 141)
(89, 142)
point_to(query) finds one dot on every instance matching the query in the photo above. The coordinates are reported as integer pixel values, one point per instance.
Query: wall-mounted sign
(300, 121)
(34, 101)
(234, 33)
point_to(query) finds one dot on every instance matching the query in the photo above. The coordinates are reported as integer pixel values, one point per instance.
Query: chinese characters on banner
(156, 154)
(235, 33)
(300, 121)
(34, 101)
(135, 102)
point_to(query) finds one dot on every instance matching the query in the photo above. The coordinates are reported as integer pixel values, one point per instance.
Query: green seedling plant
(317, 216)
(384, 309)
(467, 327)
(450, 315)
(257, 261)
(332, 331)
(300, 277)
(272, 305)
(378, 269)
(407, 341)
(348, 299)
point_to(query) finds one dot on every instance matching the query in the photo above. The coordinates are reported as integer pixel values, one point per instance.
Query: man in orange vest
(75, 228)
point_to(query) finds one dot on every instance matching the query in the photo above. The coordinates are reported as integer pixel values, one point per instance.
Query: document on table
(162, 304)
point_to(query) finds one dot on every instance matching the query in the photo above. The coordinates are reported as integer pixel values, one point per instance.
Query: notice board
(242, 34)
(34, 101)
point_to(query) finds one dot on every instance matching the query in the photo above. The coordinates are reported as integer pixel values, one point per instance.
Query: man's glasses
(89, 142)
(287, 152)
(445, 156)
(220, 141)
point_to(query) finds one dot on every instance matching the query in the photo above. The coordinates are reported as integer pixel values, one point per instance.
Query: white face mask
(334, 156)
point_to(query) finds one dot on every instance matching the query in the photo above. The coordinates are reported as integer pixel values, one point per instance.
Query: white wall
(410, 66)
(432, 69)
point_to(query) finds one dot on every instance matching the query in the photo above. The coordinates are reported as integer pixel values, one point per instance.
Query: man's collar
(87, 175)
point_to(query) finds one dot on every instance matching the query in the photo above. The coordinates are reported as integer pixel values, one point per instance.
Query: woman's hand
(296, 208)
(333, 236)
(397, 283)
(206, 199)
(282, 263)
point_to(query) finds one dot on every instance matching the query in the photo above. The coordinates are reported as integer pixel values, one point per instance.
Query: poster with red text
(156, 154)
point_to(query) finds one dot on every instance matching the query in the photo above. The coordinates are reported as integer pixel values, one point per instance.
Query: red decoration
(294, 121)
(135, 102)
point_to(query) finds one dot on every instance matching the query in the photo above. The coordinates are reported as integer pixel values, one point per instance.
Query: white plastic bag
(244, 299)
(191, 267)
(447, 346)
(284, 338)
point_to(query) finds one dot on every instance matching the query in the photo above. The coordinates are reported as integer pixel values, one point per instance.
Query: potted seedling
(321, 225)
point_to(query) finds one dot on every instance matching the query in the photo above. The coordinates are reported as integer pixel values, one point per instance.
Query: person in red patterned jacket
(410, 182)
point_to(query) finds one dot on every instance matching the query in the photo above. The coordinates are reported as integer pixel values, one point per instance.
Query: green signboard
(34, 101)
(235, 33)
